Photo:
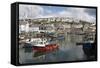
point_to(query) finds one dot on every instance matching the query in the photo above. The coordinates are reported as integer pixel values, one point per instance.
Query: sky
(36, 11)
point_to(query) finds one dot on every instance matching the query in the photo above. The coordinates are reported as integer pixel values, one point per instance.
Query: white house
(24, 27)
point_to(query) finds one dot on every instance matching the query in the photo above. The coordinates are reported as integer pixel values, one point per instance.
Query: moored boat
(41, 44)
(89, 46)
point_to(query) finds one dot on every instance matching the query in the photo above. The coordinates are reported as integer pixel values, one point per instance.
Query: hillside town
(29, 28)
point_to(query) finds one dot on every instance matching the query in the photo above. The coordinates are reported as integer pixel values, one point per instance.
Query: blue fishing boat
(60, 37)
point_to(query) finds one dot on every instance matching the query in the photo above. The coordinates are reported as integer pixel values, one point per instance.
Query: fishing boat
(89, 46)
(41, 44)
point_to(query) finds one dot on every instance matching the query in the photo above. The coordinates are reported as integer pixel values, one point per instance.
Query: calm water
(68, 51)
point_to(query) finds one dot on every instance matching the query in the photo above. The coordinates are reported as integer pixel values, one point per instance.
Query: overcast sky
(34, 11)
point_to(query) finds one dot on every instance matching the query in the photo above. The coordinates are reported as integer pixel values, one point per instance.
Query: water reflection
(68, 51)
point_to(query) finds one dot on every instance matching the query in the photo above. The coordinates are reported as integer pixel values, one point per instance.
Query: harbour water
(68, 51)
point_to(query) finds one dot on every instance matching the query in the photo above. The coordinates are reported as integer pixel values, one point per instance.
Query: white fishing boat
(41, 44)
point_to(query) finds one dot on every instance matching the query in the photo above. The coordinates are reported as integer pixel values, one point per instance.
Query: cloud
(77, 13)
(81, 13)
(30, 11)
(91, 12)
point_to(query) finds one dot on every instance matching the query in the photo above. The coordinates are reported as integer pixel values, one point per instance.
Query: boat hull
(49, 47)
